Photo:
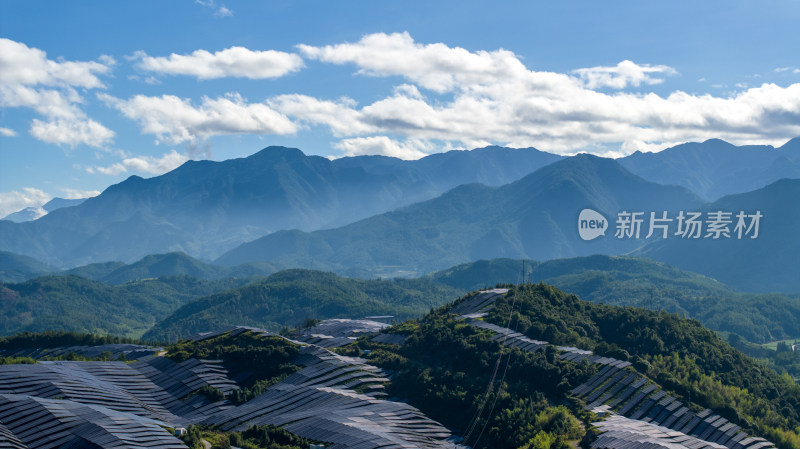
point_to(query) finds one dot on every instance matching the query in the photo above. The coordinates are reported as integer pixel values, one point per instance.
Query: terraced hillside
(330, 398)
(689, 392)
(523, 367)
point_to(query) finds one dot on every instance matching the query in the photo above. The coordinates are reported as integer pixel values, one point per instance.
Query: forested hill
(678, 353)
(289, 297)
(446, 364)
(72, 303)
(157, 286)
(639, 282)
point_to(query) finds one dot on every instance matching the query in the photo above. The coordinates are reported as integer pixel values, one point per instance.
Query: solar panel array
(155, 387)
(638, 400)
(335, 399)
(334, 333)
(631, 395)
(231, 331)
(623, 433)
(113, 351)
(33, 422)
(479, 302)
(390, 339)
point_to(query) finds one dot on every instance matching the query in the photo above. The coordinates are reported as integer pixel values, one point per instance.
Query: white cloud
(143, 164)
(219, 11)
(7, 132)
(235, 61)
(223, 11)
(491, 97)
(20, 64)
(793, 70)
(626, 73)
(74, 194)
(175, 120)
(71, 132)
(28, 79)
(382, 145)
(434, 66)
(341, 116)
(17, 200)
(453, 96)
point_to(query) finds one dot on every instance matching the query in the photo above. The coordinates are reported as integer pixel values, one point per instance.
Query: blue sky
(92, 92)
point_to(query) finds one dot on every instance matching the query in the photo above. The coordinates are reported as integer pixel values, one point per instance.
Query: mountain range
(770, 262)
(204, 208)
(535, 217)
(173, 295)
(373, 216)
(34, 213)
(715, 168)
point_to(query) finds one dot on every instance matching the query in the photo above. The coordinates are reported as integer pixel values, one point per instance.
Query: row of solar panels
(620, 432)
(113, 351)
(334, 333)
(47, 404)
(156, 387)
(320, 402)
(32, 422)
(478, 302)
(629, 394)
(633, 396)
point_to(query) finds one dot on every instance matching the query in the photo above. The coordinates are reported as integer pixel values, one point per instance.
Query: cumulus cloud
(492, 97)
(74, 194)
(626, 73)
(384, 146)
(7, 132)
(20, 64)
(70, 132)
(234, 62)
(341, 116)
(176, 120)
(143, 164)
(17, 200)
(28, 79)
(434, 66)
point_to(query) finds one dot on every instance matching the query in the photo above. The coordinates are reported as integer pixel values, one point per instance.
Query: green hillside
(289, 297)
(629, 281)
(17, 268)
(445, 367)
(678, 353)
(71, 303)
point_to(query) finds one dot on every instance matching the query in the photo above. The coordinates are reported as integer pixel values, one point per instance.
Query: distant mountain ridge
(535, 217)
(768, 263)
(33, 213)
(204, 208)
(715, 168)
(16, 268)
